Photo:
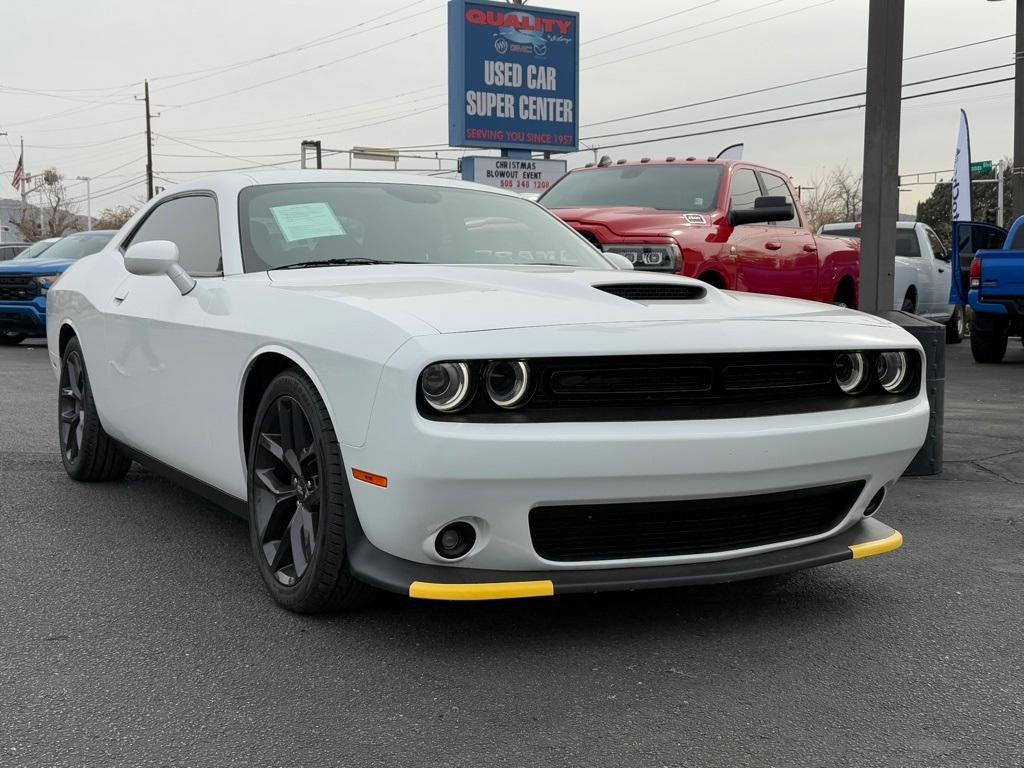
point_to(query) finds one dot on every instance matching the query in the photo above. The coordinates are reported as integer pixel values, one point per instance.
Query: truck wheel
(956, 326)
(9, 338)
(988, 338)
(908, 304)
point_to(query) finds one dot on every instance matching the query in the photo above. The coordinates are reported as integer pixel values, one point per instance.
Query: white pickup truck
(923, 273)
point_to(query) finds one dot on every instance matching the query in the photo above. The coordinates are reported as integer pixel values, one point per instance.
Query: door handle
(773, 246)
(120, 294)
(810, 248)
(941, 270)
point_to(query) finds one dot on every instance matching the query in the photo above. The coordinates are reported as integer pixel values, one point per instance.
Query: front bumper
(436, 582)
(27, 317)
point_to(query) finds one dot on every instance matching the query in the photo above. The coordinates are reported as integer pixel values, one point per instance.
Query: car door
(754, 266)
(155, 339)
(792, 244)
(937, 261)
(969, 238)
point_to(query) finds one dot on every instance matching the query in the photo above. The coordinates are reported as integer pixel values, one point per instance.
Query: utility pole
(1017, 178)
(88, 202)
(149, 143)
(881, 155)
(24, 194)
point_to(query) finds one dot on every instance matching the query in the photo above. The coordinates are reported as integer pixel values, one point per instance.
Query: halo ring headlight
(851, 372)
(507, 382)
(893, 371)
(446, 386)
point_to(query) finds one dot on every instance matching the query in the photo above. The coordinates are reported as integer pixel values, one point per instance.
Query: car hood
(459, 299)
(38, 266)
(632, 221)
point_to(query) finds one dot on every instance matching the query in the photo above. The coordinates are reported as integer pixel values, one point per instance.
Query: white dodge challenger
(441, 390)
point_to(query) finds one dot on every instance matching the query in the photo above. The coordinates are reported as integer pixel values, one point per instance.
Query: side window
(776, 186)
(1018, 240)
(744, 190)
(937, 247)
(191, 224)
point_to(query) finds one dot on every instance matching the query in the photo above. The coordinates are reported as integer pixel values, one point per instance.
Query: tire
(10, 338)
(909, 305)
(956, 326)
(988, 338)
(298, 501)
(87, 452)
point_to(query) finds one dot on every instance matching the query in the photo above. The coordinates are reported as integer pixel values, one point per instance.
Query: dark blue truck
(988, 274)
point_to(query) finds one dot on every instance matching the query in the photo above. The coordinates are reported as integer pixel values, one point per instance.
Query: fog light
(455, 540)
(875, 503)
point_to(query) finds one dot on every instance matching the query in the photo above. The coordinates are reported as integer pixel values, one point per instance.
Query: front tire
(297, 501)
(988, 338)
(88, 453)
(10, 338)
(956, 326)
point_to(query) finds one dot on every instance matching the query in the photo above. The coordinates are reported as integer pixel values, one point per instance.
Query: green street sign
(983, 166)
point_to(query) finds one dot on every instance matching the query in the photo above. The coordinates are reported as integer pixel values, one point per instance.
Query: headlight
(892, 370)
(46, 281)
(656, 258)
(507, 382)
(851, 372)
(445, 386)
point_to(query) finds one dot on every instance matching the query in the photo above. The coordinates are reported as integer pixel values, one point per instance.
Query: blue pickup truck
(25, 279)
(988, 274)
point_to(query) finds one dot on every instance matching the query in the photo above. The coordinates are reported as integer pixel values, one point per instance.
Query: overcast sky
(384, 83)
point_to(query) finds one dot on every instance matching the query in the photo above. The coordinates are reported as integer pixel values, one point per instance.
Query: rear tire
(10, 338)
(988, 338)
(909, 304)
(88, 453)
(298, 503)
(956, 326)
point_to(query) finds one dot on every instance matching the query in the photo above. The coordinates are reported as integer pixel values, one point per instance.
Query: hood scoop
(654, 291)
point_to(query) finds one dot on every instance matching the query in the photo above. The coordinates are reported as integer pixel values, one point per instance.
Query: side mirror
(765, 210)
(158, 257)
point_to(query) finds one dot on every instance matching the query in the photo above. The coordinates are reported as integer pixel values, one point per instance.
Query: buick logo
(501, 45)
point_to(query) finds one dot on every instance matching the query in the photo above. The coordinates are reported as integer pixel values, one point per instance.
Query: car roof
(678, 161)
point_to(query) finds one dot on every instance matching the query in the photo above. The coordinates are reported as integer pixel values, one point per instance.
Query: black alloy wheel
(87, 452)
(72, 406)
(287, 495)
(297, 501)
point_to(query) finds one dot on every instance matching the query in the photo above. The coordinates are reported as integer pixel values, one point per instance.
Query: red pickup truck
(730, 223)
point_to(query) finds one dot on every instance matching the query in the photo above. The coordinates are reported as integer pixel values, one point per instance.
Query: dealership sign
(514, 174)
(513, 77)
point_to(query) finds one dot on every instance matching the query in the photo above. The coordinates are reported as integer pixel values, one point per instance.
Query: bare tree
(114, 218)
(836, 195)
(58, 213)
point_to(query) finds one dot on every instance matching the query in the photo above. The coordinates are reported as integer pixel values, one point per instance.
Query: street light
(1017, 173)
(88, 202)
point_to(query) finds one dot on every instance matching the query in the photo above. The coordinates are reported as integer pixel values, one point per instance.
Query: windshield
(665, 187)
(317, 223)
(34, 250)
(77, 246)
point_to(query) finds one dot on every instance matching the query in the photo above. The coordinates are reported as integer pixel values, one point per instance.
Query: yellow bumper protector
(869, 548)
(499, 590)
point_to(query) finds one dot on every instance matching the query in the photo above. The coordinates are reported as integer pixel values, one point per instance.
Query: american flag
(16, 176)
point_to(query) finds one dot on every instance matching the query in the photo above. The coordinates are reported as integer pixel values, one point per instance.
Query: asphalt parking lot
(134, 631)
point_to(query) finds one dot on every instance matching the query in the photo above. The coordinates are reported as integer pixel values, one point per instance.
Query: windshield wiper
(355, 260)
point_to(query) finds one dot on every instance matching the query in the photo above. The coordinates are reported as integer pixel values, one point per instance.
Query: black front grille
(697, 526)
(654, 291)
(676, 387)
(18, 288)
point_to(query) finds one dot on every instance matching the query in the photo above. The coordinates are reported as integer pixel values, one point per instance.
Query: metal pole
(881, 155)
(24, 193)
(1017, 178)
(88, 202)
(999, 193)
(149, 148)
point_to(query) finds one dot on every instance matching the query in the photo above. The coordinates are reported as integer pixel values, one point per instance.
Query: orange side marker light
(368, 477)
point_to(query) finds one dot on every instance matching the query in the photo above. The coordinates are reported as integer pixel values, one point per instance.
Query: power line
(648, 23)
(797, 117)
(788, 106)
